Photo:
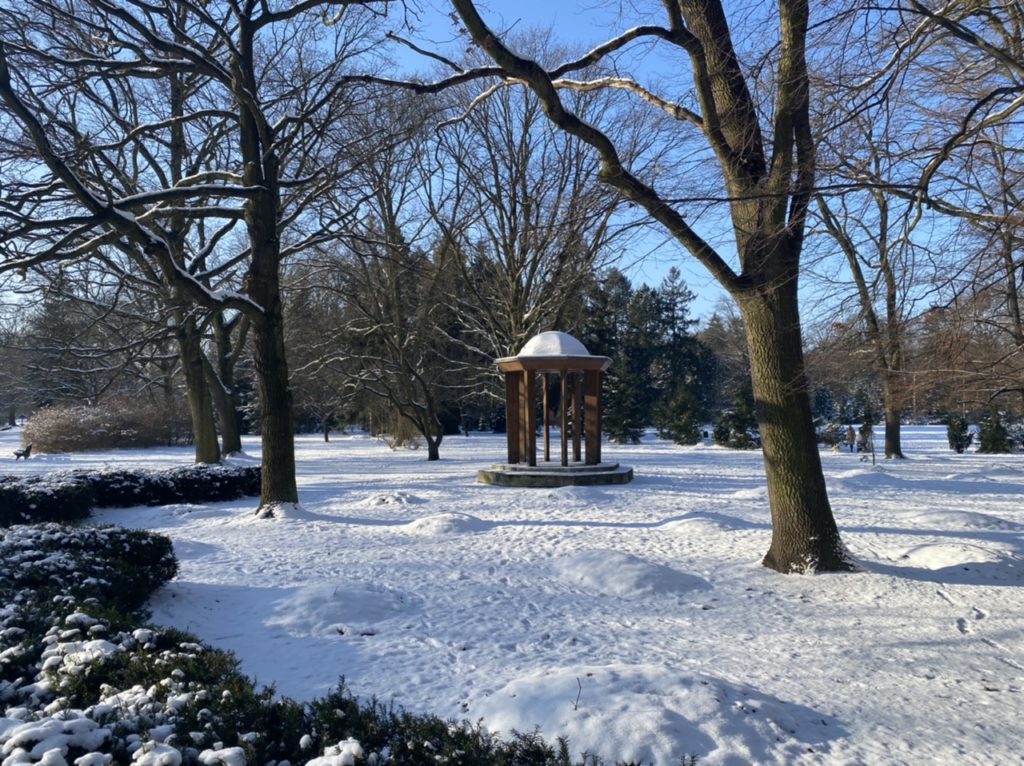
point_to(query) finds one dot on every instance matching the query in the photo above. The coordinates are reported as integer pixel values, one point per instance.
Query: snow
(635, 619)
(553, 344)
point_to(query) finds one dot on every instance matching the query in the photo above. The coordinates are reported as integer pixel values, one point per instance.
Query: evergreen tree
(737, 427)
(957, 434)
(993, 437)
(678, 417)
(607, 308)
(659, 371)
(622, 414)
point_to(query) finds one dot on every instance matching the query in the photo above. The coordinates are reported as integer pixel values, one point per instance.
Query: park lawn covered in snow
(636, 619)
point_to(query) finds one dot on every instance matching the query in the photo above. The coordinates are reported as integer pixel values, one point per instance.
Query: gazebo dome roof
(552, 343)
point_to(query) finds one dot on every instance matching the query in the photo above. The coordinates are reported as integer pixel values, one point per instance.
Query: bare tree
(263, 79)
(767, 169)
(520, 204)
(876, 232)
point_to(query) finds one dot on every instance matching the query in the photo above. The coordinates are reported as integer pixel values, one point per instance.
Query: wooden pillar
(592, 407)
(529, 416)
(577, 414)
(564, 407)
(546, 378)
(512, 415)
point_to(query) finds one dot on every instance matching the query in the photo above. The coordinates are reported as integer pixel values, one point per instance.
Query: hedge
(69, 496)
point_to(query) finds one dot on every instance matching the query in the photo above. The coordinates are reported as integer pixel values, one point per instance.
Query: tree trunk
(198, 392)
(275, 397)
(434, 447)
(804, 532)
(226, 408)
(222, 378)
(892, 396)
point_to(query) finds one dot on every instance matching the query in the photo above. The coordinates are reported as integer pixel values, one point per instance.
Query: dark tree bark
(221, 378)
(197, 391)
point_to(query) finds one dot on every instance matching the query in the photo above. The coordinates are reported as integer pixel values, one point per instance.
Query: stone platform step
(555, 475)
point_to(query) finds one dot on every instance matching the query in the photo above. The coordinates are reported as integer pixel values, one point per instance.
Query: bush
(53, 562)
(34, 499)
(957, 434)
(832, 433)
(993, 438)
(70, 496)
(734, 430)
(1015, 433)
(116, 423)
(187, 484)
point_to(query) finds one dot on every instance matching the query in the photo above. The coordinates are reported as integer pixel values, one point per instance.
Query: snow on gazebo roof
(553, 352)
(553, 344)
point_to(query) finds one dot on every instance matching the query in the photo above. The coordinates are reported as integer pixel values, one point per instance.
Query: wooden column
(577, 414)
(529, 417)
(546, 378)
(564, 407)
(592, 407)
(512, 409)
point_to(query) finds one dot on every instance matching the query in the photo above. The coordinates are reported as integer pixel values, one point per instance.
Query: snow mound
(868, 478)
(650, 714)
(962, 520)
(279, 511)
(966, 476)
(611, 573)
(944, 555)
(447, 524)
(329, 610)
(756, 493)
(392, 498)
(702, 522)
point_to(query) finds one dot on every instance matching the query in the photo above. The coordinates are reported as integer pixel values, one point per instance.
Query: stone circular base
(548, 475)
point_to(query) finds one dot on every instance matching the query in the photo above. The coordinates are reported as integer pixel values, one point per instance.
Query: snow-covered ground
(636, 619)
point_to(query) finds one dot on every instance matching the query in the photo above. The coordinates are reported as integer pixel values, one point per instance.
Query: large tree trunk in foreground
(804, 532)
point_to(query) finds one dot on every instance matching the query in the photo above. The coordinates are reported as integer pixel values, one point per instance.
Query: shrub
(957, 434)
(187, 484)
(832, 433)
(734, 430)
(1015, 433)
(119, 422)
(993, 438)
(69, 496)
(34, 499)
(116, 567)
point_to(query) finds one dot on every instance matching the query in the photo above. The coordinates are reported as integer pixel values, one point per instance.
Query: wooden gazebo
(580, 374)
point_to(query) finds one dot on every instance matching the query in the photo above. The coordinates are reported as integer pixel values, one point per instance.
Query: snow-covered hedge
(25, 499)
(187, 484)
(82, 683)
(69, 496)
